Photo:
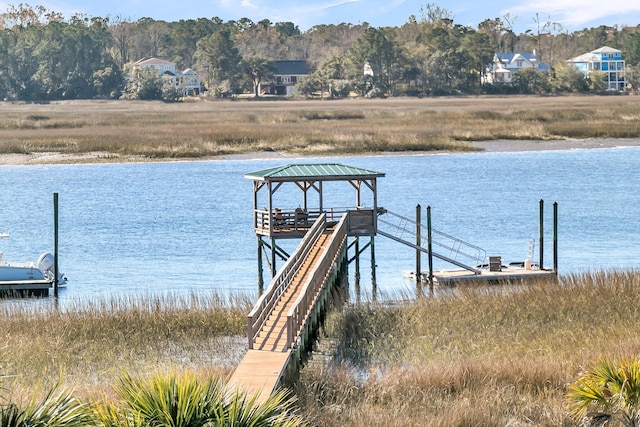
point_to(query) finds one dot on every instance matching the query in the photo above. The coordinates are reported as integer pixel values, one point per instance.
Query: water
(130, 229)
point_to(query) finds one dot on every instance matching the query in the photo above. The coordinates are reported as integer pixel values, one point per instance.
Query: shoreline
(51, 158)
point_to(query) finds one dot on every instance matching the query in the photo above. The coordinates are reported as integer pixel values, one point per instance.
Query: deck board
(261, 368)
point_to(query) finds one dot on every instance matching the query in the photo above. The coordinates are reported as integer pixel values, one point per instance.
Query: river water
(184, 227)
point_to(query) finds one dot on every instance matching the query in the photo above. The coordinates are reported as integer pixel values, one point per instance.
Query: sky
(571, 15)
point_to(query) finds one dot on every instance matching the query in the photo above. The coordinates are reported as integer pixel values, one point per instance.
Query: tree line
(45, 56)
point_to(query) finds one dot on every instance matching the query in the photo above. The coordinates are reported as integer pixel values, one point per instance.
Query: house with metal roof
(288, 74)
(505, 65)
(187, 81)
(606, 60)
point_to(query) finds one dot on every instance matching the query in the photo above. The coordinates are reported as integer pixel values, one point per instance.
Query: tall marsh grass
(120, 130)
(497, 356)
(85, 347)
(494, 357)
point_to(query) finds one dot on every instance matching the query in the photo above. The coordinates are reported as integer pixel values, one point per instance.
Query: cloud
(574, 14)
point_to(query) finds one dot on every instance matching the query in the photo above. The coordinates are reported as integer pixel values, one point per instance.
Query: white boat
(21, 275)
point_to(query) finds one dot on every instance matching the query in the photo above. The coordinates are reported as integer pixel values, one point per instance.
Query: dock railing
(265, 304)
(296, 219)
(446, 247)
(298, 315)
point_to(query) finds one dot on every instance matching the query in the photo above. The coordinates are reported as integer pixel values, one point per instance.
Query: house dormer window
(519, 64)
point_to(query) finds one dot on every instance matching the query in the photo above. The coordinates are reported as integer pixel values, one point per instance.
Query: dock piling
(55, 244)
(418, 243)
(541, 234)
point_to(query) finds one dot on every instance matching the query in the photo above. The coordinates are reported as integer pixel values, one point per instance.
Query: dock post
(373, 261)
(555, 237)
(429, 247)
(357, 260)
(541, 234)
(418, 251)
(55, 244)
(273, 257)
(260, 278)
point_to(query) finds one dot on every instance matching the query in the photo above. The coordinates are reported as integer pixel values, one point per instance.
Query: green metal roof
(321, 171)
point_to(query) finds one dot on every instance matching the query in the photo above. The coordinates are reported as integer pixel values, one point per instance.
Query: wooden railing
(298, 315)
(278, 286)
(296, 219)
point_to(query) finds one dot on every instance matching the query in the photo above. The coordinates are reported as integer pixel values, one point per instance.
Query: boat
(29, 276)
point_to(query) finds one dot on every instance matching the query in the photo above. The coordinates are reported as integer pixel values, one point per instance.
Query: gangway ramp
(281, 321)
(444, 246)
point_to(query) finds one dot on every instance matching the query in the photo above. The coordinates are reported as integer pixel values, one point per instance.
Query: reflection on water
(187, 226)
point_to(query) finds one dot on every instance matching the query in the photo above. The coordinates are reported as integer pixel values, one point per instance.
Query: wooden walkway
(285, 312)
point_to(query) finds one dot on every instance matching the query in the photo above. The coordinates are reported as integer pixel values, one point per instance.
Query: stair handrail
(455, 246)
(298, 314)
(281, 281)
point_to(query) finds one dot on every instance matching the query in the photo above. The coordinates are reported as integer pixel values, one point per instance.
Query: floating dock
(486, 277)
(28, 288)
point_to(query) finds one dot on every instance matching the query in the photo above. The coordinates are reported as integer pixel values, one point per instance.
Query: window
(519, 64)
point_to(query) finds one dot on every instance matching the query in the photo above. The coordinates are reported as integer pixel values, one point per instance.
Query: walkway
(281, 320)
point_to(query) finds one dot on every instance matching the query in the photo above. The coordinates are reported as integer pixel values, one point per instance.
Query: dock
(283, 323)
(485, 277)
(28, 288)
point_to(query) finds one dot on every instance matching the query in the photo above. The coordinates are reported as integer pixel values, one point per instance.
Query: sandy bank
(491, 146)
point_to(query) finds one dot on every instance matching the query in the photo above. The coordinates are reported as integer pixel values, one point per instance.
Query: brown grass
(120, 130)
(89, 346)
(473, 358)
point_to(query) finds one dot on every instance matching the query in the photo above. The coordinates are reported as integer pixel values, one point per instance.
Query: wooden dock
(486, 277)
(282, 323)
(25, 287)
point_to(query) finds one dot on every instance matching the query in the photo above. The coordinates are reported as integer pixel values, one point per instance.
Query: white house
(505, 65)
(605, 59)
(187, 81)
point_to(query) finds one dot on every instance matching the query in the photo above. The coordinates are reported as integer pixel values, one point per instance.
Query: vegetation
(49, 57)
(505, 355)
(122, 131)
(186, 401)
(86, 348)
(490, 357)
(611, 389)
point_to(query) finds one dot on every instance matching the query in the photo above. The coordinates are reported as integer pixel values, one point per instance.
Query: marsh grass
(150, 130)
(496, 356)
(476, 357)
(87, 346)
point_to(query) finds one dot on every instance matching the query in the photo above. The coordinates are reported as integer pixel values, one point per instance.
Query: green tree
(375, 49)
(607, 391)
(144, 84)
(632, 49)
(530, 81)
(184, 36)
(332, 70)
(219, 59)
(258, 69)
(287, 29)
(568, 79)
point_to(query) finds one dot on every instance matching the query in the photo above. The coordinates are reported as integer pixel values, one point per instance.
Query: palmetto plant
(57, 409)
(609, 390)
(186, 401)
